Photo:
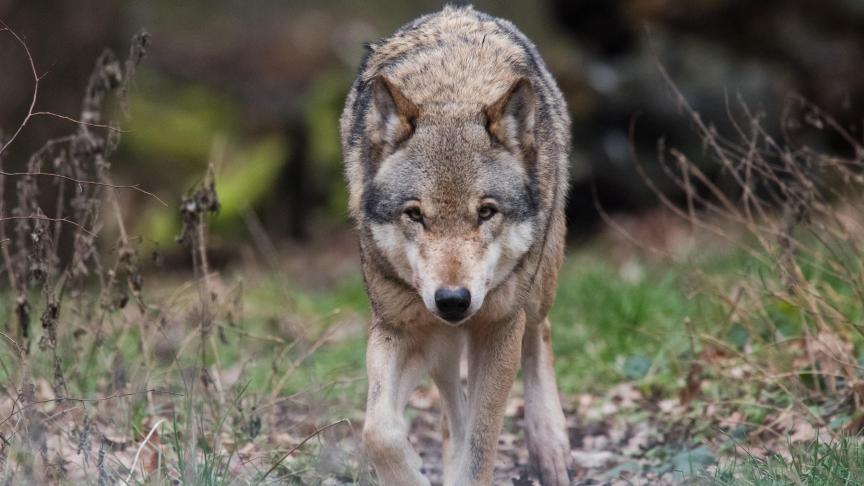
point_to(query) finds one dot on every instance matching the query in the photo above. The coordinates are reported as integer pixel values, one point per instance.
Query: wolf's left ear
(392, 116)
(510, 119)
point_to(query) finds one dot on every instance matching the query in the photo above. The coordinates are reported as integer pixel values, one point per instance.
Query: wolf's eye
(414, 214)
(486, 212)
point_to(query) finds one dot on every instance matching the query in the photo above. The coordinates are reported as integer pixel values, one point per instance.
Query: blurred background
(258, 87)
(256, 90)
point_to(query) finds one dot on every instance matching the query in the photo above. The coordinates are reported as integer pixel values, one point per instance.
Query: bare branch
(36, 78)
(31, 112)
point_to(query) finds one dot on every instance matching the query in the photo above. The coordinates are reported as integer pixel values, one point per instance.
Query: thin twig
(134, 187)
(36, 78)
(293, 449)
(46, 218)
(79, 122)
(88, 400)
(31, 111)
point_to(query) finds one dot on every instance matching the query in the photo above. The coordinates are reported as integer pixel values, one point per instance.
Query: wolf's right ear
(392, 117)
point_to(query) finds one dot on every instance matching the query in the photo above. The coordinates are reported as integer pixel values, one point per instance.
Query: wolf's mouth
(453, 321)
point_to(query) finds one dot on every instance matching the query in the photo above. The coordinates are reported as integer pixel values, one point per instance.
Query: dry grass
(121, 383)
(775, 346)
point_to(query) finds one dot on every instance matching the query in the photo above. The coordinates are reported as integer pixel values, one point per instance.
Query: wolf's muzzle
(452, 303)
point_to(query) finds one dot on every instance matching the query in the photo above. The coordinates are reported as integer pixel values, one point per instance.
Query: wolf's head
(450, 200)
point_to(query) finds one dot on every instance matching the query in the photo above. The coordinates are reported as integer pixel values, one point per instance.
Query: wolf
(456, 141)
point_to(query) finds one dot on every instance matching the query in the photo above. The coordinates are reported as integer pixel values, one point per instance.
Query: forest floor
(652, 395)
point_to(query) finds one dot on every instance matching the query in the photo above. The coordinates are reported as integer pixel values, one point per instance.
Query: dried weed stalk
(73, 264)
(77, 165)
(797, 214)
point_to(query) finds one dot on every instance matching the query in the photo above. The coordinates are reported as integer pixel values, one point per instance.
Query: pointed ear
(510, 119)
(392, 116)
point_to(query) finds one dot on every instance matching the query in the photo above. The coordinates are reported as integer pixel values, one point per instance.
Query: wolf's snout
(452, 303)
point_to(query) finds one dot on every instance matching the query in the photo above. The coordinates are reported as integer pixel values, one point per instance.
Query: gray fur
(455, 140)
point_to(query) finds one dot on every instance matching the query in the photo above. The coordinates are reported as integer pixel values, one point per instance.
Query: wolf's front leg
(447, 350)
(394, 371)
(545, 426)
(493, 361)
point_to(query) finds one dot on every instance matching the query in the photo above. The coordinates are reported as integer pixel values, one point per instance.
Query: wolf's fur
(452, 118)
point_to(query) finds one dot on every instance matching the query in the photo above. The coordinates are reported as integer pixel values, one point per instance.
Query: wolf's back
(453, 63)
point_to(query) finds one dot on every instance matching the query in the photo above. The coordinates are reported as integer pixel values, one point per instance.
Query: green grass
(341, 360)
(814, 464)
(607, 328)
(609, 325)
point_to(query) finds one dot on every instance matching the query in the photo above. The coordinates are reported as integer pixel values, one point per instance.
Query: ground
(650, 395)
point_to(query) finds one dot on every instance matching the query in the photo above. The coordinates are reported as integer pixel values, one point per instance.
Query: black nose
(452, 302)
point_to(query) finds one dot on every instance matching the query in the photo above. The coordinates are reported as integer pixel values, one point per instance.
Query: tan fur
(433, 106)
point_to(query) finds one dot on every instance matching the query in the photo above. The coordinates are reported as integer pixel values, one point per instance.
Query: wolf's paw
(550, 455)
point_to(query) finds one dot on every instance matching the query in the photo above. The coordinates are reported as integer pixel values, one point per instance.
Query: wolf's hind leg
(394, 372)
(545, 426)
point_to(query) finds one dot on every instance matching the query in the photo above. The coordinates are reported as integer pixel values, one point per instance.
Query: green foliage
(174, 124)
(340, 362)
(607, 328)
(838, 462)
(323, 108)
(179, 129)
(247, 177)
